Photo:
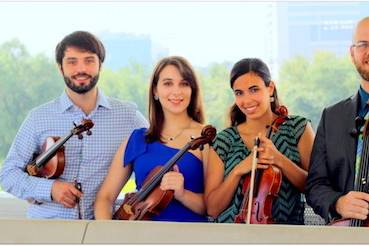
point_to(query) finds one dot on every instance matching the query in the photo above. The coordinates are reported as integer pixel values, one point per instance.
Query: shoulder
(228, 133)
(44, 109)
(127, 111)
(122, 105)
(297, 120)
(135, 145)
(137, 137)
(138, 133)
(295, 127)
(339, 106)
(225, 137)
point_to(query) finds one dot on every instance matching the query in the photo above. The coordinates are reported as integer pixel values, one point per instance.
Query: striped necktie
(359, 148)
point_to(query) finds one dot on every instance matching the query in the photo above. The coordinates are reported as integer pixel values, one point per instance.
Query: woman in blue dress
(176, 116)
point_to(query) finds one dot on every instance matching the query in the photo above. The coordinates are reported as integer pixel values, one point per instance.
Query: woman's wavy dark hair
(156, 114)
(242, 67)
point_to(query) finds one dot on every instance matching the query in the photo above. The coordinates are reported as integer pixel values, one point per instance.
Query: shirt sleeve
(13, 178)
(140, 121)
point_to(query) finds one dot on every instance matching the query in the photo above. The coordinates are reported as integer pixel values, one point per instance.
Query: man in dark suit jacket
(330, 182)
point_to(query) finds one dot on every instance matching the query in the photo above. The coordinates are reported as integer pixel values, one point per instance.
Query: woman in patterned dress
(230, 158)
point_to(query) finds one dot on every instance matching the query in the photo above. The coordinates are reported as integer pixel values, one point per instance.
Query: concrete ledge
(42, 231)
(144, 232)
(12, 208)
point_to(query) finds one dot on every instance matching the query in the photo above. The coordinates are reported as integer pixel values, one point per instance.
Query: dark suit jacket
(332, 165)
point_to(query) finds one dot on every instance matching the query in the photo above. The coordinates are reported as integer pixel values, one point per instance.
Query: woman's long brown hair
(156, 114)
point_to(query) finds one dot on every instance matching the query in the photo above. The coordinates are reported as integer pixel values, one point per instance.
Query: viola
(150, 199)
(261, 187)
(362, 183)
(50, 163)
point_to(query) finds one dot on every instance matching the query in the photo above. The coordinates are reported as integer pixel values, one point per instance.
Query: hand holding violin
(174, 180)
(65, 193)
(268, 153)
(244, 167)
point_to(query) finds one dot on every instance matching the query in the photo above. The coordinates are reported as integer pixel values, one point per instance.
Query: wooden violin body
(150, 199)
(54, 167)
(154, 203)
(271, 180)
(51, 162)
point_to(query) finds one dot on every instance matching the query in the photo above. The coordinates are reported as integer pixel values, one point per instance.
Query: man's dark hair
(82, 40)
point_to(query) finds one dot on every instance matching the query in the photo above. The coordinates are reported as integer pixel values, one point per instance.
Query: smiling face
(173, 91)
(80, 69)
(360, 49)
(252, 96)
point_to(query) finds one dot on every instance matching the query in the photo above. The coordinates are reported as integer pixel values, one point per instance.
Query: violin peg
(80, 136)
(201, 147)
(89, 133)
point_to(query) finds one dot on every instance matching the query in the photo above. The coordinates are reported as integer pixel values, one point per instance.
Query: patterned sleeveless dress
(288, 207)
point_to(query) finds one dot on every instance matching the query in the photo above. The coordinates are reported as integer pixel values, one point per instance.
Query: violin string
(364, 169)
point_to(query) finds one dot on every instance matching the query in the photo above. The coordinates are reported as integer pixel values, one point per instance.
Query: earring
(156, 97)
(272, 99)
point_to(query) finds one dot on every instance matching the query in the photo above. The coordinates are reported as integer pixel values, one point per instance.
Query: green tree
(25, 81)
(129, 84)
(216, 93)
(306, 87)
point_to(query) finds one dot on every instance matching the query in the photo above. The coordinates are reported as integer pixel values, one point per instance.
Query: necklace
(172, 138)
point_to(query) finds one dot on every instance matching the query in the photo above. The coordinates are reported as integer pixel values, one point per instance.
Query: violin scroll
(208, 133)
(85, 126)
(282, 113)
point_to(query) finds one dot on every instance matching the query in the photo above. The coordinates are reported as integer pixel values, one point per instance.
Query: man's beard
(363, 73)
(81, 89)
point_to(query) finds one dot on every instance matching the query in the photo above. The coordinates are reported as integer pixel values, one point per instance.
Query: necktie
(359, 148)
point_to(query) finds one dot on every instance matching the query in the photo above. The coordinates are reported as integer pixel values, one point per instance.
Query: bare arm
(112, 185)
(295, 174)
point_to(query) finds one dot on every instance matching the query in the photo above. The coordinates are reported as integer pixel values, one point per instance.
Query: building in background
(124, 49)
(303, 28)
(307, 27)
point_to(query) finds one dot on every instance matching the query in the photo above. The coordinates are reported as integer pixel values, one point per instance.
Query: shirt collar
(66, 103)
(364, 97)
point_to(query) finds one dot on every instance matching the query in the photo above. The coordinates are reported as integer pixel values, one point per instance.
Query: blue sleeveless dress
(145, 156)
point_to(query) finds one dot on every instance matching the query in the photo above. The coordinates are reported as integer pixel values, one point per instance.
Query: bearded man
(336, 185)
(79, 57)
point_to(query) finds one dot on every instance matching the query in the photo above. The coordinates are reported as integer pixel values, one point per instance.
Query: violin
(150, 199)
(50, 163)
(362, 183)
(261, 187)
